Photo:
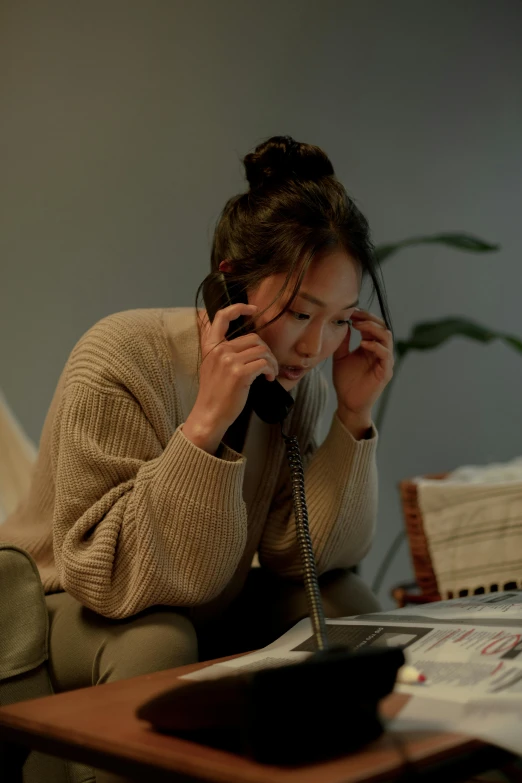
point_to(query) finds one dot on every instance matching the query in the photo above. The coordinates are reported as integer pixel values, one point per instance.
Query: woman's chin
(286, 383)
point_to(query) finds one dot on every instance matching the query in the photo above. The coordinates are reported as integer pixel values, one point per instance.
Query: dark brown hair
(295, 207)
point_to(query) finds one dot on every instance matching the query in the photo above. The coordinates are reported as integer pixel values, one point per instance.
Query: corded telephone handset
(290, 714)
(268, 399)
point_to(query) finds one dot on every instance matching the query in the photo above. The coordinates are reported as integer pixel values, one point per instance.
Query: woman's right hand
(228, 369)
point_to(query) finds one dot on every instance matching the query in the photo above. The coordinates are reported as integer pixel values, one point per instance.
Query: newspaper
(470, 650)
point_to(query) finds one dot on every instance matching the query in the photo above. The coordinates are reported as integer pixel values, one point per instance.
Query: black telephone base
(301, 713)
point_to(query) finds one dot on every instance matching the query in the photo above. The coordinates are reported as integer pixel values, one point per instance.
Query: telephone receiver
(268, 399)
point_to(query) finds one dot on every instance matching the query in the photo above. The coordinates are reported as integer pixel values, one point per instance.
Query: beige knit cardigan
(124, 512)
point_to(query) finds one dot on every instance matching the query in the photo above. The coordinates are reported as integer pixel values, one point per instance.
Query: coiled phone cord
(313, 594)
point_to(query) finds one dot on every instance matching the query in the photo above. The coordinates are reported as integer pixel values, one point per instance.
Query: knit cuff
(345, 451)
(370, 435)
(193, 472)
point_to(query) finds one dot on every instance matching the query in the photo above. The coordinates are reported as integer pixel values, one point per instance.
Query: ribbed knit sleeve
(141, 515)
(134, 525)
(341, 494)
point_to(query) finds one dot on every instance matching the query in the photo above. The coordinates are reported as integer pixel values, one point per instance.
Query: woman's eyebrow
(314, 300)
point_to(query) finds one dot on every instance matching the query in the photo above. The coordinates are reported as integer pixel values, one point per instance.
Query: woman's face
(317, 321)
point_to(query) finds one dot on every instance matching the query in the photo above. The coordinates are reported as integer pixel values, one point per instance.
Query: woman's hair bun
(281, 158)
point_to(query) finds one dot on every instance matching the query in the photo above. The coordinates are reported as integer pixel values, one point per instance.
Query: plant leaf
(514, 342)
(459, 241)
(383, 251)
(430, 334)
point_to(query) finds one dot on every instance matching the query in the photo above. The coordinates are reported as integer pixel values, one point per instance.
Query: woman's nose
(310, 344)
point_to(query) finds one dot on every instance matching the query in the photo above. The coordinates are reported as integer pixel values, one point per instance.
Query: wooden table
(97, 726)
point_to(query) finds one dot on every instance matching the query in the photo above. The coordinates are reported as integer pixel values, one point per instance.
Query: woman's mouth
(291, 373)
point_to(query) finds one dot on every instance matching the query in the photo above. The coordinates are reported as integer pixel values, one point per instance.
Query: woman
(142, 519)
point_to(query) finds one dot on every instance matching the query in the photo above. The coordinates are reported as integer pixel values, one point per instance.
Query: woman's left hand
(360, 376)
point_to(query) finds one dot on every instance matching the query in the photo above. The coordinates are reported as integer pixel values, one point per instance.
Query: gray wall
(123, 124)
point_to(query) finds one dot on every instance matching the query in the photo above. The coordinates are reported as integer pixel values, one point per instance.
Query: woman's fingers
(246, 341)
(237, 352)
(219, 327)
(382, 353)
(260, 353)
(377, 339)
(254, 369)
(365, 315)
(376, 330)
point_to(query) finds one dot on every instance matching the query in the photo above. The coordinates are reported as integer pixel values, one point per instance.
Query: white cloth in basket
(473, 524)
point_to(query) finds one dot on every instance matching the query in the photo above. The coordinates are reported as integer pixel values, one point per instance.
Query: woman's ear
(225, 266)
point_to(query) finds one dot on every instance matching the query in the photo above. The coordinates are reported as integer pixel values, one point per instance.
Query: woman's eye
(299, 316)
(344, 323)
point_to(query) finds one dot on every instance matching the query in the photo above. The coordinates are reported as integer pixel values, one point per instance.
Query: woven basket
(426, 586)
(420, 554)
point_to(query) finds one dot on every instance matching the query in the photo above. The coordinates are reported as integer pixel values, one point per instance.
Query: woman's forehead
(333, 279)
(330, 278)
